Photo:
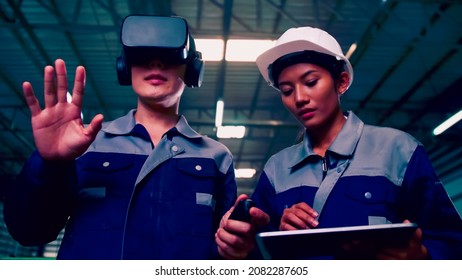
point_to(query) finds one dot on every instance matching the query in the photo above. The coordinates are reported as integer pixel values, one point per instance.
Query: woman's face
(309, 92)
(157, 83)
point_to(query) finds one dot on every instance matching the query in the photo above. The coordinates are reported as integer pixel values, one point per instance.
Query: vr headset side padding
(124, 75)
(194, 72)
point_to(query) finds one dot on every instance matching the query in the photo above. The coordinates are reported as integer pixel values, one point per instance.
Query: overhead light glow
(219, 113)
(351, 50)
(231, 131)
(211, 49)
(246, 50)
(448, 123)
(237, 50)
(245, 172)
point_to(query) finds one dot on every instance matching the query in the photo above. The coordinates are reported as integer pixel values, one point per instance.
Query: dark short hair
(328, 62)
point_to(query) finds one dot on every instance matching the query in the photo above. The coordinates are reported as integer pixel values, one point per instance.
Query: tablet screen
(308, 243)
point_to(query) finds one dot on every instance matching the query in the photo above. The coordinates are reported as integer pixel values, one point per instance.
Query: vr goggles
(145, 38)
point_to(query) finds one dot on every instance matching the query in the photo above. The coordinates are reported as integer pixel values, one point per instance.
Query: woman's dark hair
(328, 62)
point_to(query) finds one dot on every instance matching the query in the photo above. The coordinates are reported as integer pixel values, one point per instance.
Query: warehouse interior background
(407, 65)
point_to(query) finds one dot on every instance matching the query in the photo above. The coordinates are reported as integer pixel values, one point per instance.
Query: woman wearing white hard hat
(344, 172)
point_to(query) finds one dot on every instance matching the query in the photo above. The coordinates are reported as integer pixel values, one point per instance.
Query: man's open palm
(58, 129)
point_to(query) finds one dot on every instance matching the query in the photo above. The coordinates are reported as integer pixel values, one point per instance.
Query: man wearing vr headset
(143, 186)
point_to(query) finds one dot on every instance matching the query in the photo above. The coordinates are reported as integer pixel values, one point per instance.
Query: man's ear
(343, 82)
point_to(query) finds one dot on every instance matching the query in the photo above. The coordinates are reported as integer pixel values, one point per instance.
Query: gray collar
(124, 126)
(344, 144)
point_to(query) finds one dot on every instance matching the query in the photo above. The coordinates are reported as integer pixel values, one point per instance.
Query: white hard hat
(298, 40)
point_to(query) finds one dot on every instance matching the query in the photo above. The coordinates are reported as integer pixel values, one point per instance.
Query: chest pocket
(106, 182)
(378, 200)
(196, 184)
(107, 174)
(201, 168)
(372, 194)
(194, 176)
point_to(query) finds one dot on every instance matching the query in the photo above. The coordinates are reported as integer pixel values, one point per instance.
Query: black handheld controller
(241, 211)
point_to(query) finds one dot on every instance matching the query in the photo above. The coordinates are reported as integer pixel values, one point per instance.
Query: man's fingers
(239, 198)
(31, 100)
(232, 245)
(225, 250)
(239, 228)
(61, 80)
(49, 87)
(94, 126)
(79, 86)
(259, 217)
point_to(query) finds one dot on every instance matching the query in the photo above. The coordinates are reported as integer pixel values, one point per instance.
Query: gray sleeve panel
(383, 152)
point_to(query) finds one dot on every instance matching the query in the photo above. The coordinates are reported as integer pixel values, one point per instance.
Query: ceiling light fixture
(219, 113)
(212, 49)
(253, 48)
(231, 131)
(245, 173)
(448, 123)
(351, 50)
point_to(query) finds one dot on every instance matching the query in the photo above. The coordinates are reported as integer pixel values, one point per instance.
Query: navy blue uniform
(124, 198)
(369, 175)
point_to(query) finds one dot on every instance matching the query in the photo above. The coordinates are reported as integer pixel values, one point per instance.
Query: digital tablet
(312, 243)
